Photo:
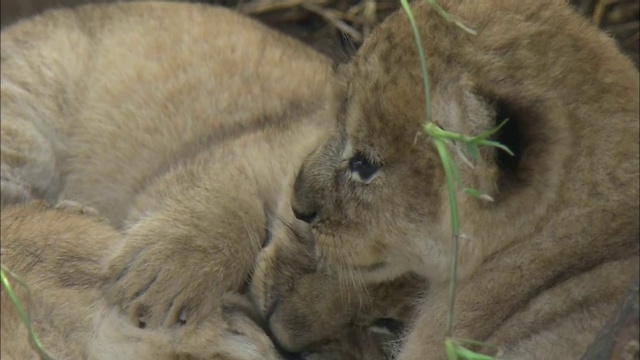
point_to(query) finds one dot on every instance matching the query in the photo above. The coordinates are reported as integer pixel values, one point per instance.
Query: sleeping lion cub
(543, 265)
(183, 125)
(179, 123)
(61, 255)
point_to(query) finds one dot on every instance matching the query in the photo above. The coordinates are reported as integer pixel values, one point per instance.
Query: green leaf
(472, 149)
(465, 353)
(456, 350)
(496, 145)
(488, 133)
(451, 350)
(467, 342)
(473, 192)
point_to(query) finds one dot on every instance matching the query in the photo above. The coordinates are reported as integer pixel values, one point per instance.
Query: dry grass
(337, 27)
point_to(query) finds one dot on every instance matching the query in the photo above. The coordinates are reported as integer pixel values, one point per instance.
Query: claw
(141, 313)
(183, 316)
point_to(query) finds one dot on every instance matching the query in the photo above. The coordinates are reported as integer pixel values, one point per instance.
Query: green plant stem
(434, 4)
(12, 294)
(423, 59)
(440, 138)
(35, 342)
(448, 170)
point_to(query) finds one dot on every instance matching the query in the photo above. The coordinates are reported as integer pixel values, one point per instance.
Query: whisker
(361, 288)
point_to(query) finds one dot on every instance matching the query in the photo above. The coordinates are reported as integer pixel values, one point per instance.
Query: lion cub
(547, 261)
(60, 255)
(183, 125)
(179, 123)
(305, 304)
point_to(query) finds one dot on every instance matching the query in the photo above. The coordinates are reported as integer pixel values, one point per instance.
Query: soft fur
(173, 118)
(292, 291)
(183, 125)
(544, 263)
(60, 255)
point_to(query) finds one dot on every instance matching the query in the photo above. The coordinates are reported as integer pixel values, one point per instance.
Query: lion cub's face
(309, 307)
(375, 193)
(367, 187)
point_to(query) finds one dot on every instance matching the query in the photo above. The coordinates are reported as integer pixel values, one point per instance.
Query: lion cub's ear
(534, 131)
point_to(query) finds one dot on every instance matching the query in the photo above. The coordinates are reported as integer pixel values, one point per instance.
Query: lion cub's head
(374, 196)
(310, 308)
(375, 193)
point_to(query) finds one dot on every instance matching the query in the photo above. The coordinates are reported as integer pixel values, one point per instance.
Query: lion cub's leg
(175, 264)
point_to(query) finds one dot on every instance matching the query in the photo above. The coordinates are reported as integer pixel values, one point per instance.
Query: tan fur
(45, 94)
(183, 125)
(186, 134)
(59, 254)
(542, 266)
(15, 10)
(292, 291)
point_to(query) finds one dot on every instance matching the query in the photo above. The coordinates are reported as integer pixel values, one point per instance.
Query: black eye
(363, 167)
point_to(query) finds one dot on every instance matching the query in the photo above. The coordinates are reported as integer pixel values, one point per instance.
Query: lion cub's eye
(363, 168)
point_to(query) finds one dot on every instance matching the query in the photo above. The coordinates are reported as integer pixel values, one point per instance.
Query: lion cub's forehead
(385, 92)
(371, 130)
(383, 108)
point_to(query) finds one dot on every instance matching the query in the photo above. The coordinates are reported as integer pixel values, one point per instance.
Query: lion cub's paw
(244, 339)
(232, 334)
(159, 285)
(160, 281)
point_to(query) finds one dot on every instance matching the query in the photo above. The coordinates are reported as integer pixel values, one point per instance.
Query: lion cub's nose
(302, 202)
(306, 217)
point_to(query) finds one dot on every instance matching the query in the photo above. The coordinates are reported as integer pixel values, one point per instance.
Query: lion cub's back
(124, 90)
